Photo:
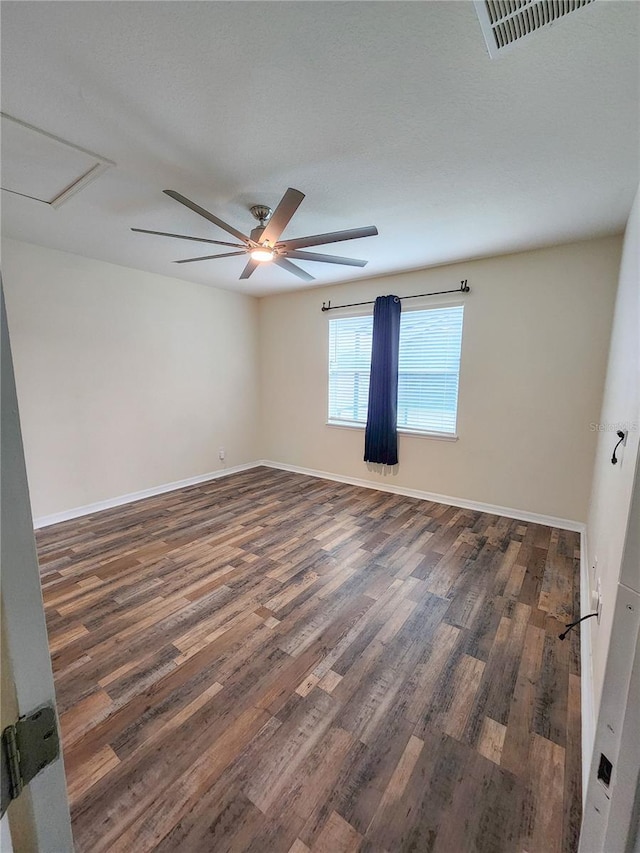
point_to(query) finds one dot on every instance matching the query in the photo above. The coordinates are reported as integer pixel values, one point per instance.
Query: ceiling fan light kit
(263, 245)
(263, 255)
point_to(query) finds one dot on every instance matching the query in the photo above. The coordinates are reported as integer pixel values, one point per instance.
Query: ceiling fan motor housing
(256, 233)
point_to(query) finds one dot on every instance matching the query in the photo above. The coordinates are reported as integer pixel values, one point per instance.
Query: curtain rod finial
(327, 307)
(464, 287)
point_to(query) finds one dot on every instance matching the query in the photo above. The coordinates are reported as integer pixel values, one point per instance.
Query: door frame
(24, 626)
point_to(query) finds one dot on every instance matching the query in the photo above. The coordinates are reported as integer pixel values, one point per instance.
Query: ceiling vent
(505, 22)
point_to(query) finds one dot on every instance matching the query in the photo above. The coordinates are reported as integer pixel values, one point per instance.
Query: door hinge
(27, 748)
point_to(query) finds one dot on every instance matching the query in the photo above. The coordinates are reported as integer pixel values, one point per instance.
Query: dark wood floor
(271, 662)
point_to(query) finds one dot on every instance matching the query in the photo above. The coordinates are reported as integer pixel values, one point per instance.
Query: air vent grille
(504, 22)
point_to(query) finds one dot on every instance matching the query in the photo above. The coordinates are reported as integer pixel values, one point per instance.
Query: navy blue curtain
(381, 434)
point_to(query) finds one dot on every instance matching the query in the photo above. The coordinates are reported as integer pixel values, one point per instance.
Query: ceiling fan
(263, 244)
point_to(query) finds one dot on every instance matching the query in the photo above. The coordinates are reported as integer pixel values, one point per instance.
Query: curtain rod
(464, 288)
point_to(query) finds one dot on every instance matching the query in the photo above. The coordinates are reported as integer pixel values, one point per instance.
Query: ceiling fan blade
(250, 267)
(184, 237)
(209, 257)
(280, 217)
(287, 265)
(332, 237)
(327, 259)
(210, 216)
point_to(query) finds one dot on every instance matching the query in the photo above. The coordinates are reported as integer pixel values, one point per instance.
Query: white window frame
(360, 425)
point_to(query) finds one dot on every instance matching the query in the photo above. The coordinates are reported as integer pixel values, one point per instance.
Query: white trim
(493, 509)
(93, 172)
(90, 509)
(518, 514)
(441, 436)
(587, 698)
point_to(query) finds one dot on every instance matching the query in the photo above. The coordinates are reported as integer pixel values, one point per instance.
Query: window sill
(440, 436)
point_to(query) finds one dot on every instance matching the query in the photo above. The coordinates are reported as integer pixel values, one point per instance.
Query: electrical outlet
(605, 769)
(596, 599)
(221, 454)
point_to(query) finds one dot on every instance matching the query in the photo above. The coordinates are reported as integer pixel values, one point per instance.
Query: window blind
(428, 376)
(349, 364)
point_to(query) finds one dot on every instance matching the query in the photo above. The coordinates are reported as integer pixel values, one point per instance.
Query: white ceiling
(384, 113)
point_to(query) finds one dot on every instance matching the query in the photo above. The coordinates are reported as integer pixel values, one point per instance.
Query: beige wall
(129, 380)
(126, 380)
(534, 356)
(613, 484)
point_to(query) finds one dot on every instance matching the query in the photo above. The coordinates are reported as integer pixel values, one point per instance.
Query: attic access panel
(43, 167)
(505, 22)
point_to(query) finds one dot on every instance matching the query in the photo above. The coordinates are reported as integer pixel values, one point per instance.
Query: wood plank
(337, 837)
(543, 809)
(465, 683)
(491, 740)
(83, 716)
(573, 778)
(89, 772)
(59, 641)
(398, 782)
(299, 847)
(330, 681)
(515, 750)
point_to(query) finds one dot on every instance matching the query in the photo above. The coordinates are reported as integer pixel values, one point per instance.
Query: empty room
(320, 426)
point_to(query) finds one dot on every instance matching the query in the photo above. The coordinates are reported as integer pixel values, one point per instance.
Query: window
(429, 368)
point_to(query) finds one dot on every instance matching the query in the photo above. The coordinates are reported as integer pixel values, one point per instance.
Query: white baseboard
(493, 509)
(508, 512)
(90, 509)
(587, 698)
